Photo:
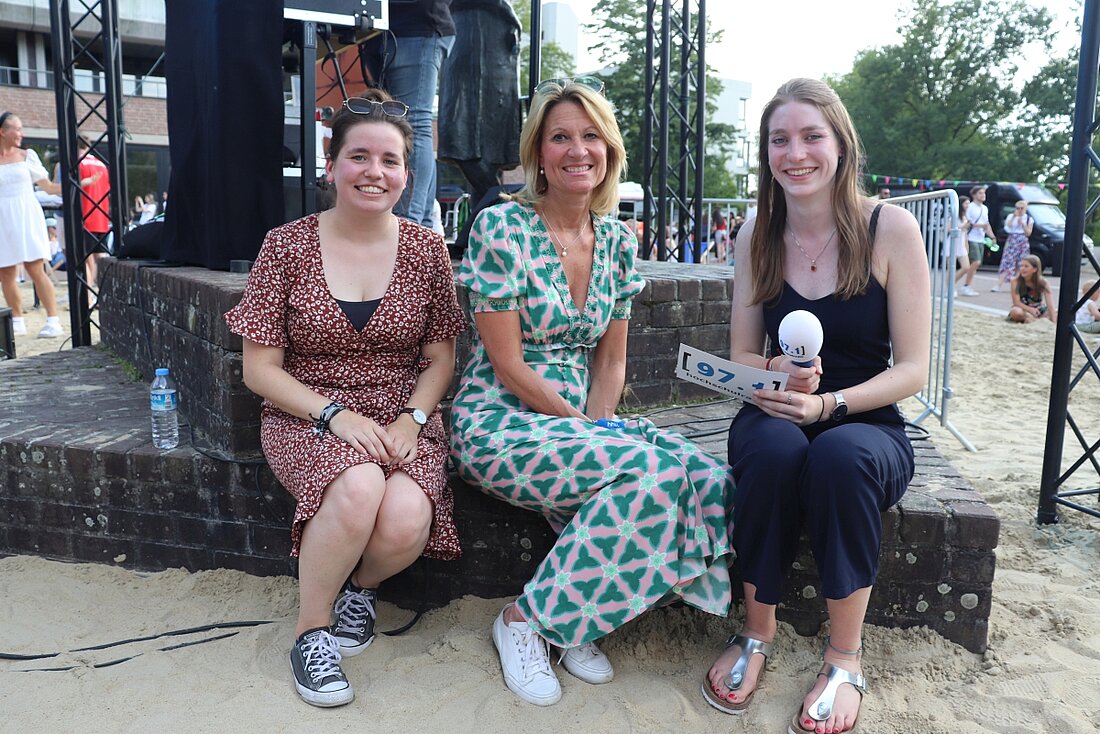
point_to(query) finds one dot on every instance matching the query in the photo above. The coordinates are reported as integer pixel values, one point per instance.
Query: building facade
(26, 83)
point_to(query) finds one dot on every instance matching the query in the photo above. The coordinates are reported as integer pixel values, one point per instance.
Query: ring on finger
(789, 398)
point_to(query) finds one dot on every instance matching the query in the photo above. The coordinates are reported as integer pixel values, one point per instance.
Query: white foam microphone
(800, 337)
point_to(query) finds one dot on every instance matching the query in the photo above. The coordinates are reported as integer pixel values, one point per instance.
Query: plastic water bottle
(163, 400)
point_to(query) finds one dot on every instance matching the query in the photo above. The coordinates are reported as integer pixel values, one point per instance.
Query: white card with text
(724, 376)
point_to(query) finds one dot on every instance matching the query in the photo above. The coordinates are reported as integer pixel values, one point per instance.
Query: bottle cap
(162, 371)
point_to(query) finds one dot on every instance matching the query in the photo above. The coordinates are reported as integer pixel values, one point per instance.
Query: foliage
(554, 61)
(620, 26)
(942, 103)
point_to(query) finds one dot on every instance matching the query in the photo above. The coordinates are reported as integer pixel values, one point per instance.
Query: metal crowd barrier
(937, 213)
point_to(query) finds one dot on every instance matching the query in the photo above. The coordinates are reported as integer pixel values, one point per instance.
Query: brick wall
(37, 109)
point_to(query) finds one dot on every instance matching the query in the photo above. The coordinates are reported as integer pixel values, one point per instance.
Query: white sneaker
(50, 330)
(995, 289)
(968, 291)
(18, 326)
(588, 663)
(525, 661)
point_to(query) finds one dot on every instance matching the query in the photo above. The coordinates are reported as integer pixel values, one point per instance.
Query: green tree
(1048, 101)
(554, 61)
(620, 26)
(942, 103)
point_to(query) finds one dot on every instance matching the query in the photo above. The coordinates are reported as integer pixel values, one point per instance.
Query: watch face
(419, 416)
(840, 411)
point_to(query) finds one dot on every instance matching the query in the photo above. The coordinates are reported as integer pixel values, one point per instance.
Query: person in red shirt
(95, 205)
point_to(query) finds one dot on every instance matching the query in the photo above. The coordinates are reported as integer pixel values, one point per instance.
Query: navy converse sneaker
(315, 660)
(355, 615)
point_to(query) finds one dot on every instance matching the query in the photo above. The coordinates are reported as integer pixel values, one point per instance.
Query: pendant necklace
(555, 237)
(813, 260)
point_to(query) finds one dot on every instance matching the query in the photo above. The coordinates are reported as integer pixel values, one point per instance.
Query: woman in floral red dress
(349, 321)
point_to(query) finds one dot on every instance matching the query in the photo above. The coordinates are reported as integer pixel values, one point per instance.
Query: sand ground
(1040, 674)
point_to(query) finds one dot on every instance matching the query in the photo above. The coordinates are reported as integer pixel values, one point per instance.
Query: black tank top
(856, 346)
(358, 312)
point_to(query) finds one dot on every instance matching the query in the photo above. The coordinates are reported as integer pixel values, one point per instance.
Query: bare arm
(265, 376)
(501, 335)
(1014, 289)
(1049, 298)
(49, 186)
(608, 370)
(430, 388)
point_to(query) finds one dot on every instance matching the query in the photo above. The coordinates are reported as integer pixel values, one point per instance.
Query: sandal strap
(822, 707)
(749, 646)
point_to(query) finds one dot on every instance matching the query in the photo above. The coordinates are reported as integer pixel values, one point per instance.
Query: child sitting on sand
(1032, 297)
(1088, 316)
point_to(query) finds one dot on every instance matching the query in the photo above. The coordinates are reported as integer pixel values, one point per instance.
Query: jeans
(411, 75)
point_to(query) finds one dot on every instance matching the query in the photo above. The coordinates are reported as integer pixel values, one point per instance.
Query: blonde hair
(605, 198)
(853, 240)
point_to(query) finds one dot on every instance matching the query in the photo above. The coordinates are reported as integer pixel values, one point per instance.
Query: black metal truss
(672, 170)
(88, 40)
(1068, 339)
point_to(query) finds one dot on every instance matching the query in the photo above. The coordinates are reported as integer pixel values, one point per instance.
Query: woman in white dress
(23, 237)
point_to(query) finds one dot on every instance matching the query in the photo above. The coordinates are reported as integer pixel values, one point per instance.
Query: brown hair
(1039, 283)
(605, 198)
(853, 240)
(345, 119)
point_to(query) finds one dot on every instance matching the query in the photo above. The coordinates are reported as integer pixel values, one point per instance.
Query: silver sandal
(749, 646)
(822, 707)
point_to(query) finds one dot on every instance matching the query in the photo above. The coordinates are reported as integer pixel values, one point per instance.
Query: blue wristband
(613, 425)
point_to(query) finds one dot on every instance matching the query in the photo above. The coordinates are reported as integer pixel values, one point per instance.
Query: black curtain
(225, 128)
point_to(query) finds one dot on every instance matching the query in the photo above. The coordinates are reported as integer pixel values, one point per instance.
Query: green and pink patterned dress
(644, 513)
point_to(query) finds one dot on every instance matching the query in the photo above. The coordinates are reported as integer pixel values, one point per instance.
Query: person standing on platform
(830, 452)
(405, 62)
(23, 236)
(349, 322)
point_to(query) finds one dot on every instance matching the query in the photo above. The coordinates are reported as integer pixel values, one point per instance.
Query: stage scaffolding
(672, 170)
(1068, 338)
(99, 49)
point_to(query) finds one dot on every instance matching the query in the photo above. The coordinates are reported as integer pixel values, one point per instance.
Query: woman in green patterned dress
(642, 513)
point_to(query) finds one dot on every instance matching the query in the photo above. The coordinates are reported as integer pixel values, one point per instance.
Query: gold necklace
(813, 260)
(555, 237)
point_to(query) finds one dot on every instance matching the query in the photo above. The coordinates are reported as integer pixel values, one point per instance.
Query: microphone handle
(805, 364)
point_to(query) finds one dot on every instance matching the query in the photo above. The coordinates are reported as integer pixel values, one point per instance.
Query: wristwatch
(418, 415)
(841, 408)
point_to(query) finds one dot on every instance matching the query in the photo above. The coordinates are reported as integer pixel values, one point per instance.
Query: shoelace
(352, 610)
(322, 656)
(534, 655)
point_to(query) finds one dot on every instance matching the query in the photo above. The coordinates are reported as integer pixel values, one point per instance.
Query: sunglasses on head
(364, 106)
(549, 85)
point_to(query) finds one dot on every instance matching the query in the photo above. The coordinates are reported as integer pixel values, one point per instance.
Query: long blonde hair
(605, 198)
(853, 241)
